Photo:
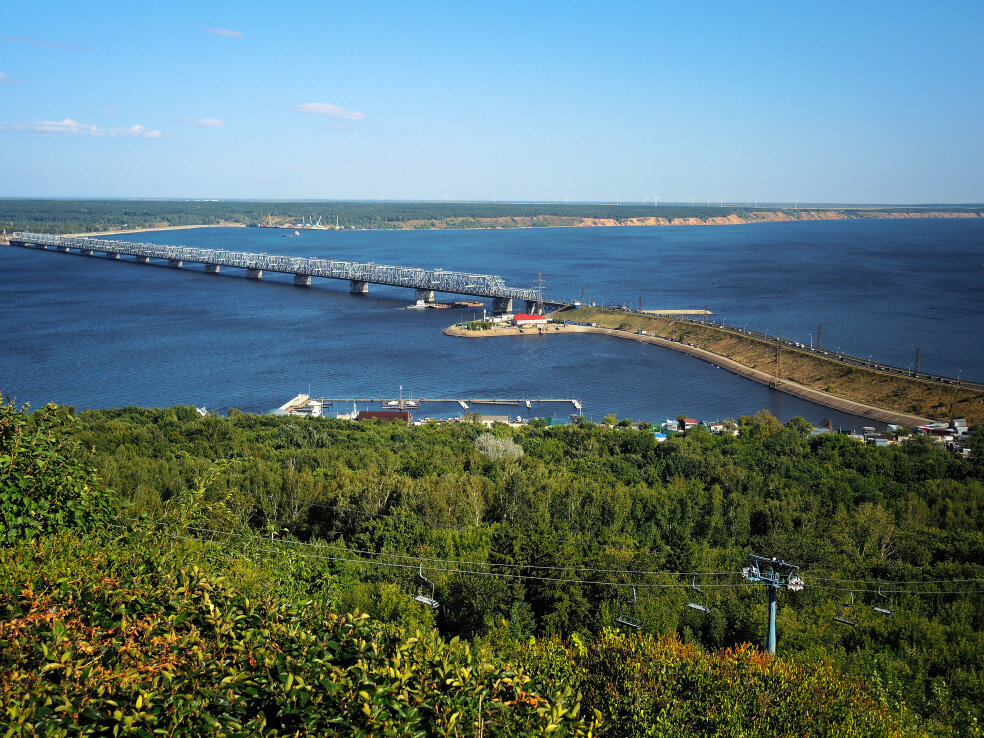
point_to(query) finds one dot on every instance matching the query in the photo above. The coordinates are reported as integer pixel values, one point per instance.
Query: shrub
(46, 481)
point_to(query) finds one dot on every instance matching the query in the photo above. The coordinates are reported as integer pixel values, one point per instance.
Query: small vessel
(419, 305)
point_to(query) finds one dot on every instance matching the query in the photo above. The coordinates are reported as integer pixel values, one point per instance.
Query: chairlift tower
(774, 573)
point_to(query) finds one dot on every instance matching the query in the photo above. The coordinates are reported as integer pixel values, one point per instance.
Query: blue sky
(821, 102)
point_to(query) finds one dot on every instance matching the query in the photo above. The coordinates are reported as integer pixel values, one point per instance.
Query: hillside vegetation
(209, 592)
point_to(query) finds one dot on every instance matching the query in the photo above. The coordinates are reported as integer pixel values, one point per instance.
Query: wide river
(91, 332)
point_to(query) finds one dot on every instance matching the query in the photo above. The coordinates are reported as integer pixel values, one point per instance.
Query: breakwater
(787, 386)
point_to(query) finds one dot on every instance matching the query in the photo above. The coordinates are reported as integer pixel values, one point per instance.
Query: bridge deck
(438, 280)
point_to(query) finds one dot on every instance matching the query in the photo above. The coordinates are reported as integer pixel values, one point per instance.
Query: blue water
(90, 332)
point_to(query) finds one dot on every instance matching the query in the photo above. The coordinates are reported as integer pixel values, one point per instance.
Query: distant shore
(763, 216)
(156, 228)
(559, 221)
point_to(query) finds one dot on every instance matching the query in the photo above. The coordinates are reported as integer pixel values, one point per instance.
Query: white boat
(419, 305)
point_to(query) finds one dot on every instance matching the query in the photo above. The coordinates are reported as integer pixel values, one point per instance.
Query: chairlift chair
(882, 610)
(623, 617)
(424, 599)
(842, 618)
(699, 606)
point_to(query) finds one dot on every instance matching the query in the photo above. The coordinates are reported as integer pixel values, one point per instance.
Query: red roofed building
(526, 319)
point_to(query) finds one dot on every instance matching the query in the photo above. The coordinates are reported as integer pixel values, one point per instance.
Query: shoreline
(153, 229)
(551, 221)
(818, 397)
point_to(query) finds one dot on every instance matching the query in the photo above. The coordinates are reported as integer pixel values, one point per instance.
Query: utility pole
(582, 295)
(640, 303)
(778, 378)
(820, 335)
(918, 358)
(773, 573)
(539, 294)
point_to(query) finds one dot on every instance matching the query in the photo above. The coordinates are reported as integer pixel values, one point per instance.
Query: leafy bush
(660, 686)
(96, 639)
(46, 481)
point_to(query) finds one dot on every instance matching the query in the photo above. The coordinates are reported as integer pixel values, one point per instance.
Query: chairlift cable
(450, 566)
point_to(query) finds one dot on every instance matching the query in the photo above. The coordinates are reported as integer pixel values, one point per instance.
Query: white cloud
(112, 111)
(223, 32)
(6, 79)
(203, 122)
(69, 127)
(328, 109)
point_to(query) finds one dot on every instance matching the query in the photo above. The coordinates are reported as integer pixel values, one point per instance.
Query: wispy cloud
(330, 110)
(223, 32)
(112, 111)
(203, 122)
(69, 127)
(136, 131)
(38, 42)
(6, 79)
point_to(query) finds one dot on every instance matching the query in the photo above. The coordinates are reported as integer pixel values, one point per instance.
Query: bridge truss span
(425, 281)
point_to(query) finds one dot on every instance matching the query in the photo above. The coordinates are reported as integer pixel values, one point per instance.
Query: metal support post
(773, 573)
(770, 631)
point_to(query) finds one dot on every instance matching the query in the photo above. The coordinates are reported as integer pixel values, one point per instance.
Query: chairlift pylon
(842, 617)
(624, 617)
(424, 599)
(698, 606)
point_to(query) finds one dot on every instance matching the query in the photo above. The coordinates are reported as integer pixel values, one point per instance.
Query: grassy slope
(853, 383)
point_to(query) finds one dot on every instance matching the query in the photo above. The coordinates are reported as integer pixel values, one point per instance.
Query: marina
(308, 405)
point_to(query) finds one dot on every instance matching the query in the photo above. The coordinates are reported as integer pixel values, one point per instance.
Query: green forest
(260, 573)
(78, 216)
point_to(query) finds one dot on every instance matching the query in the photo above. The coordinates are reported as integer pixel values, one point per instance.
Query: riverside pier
(424, 282)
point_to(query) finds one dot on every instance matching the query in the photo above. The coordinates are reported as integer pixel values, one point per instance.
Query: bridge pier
(302, 280)
(175, 263)
(63, 249)
(211, 268)
(358, 287)
(425, 295)
(85, 252)
(143, 259)
(502, 305)
(112, 255)
(532, 308)
(254, 274)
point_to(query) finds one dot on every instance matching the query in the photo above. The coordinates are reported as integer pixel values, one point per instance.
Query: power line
(504, 575)
(451, 566)
(433, 560)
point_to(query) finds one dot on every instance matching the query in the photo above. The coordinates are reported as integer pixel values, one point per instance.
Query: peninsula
(823, 379)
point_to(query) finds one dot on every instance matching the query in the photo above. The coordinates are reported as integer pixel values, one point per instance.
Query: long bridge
(425, 282)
